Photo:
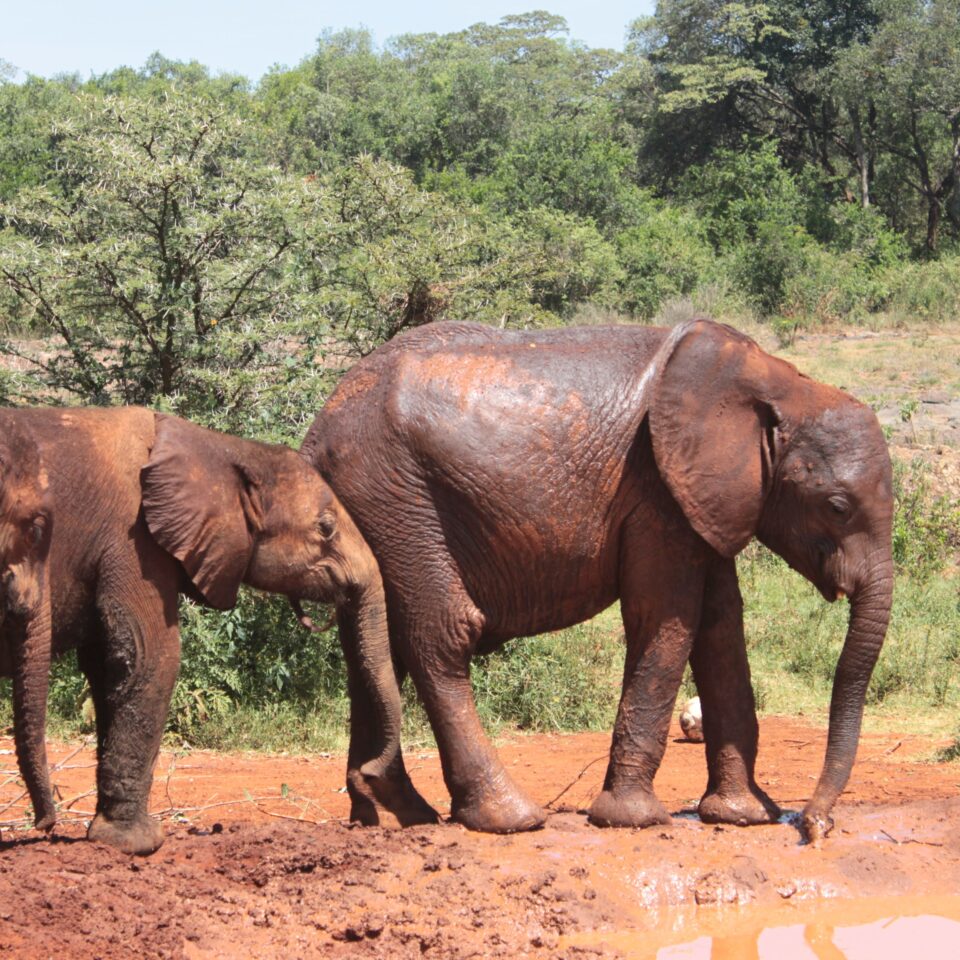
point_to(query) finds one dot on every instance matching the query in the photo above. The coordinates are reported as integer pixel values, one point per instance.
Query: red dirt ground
(259, 863)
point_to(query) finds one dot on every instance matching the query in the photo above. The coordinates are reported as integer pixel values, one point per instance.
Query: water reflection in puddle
(890, 937)
(890, 928)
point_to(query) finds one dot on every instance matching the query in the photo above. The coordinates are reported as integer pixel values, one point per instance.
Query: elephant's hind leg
(437, 646)
(722, 674)
(132, 670)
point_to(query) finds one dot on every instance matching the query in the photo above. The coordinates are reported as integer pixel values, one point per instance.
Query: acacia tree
(158, 245)
(166, 265)
(383, 255)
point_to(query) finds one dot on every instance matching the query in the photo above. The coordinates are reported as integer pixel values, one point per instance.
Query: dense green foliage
(223, 249)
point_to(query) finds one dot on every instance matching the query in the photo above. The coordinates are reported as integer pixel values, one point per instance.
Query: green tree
(384, 255)
(163, 248)
(909, 70)
(30, 116)
(728, 69)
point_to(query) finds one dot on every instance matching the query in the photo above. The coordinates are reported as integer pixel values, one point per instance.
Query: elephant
(147, 506)
(25, 529)
(515, 482)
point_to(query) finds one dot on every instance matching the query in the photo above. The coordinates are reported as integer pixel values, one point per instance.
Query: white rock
(691, 721)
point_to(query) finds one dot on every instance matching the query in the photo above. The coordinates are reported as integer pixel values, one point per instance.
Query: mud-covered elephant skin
(147, 506)
(511, 483)
(26, 523)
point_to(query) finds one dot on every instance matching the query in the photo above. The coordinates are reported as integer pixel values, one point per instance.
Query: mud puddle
(875, 928)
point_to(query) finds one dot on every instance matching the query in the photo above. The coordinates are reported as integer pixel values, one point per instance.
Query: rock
(691, 721)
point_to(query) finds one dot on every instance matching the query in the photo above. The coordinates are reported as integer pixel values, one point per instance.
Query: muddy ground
(258, 861)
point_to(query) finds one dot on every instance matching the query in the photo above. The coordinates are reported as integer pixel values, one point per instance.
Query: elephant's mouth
(830, 592)
(831, 587)
(307, 621)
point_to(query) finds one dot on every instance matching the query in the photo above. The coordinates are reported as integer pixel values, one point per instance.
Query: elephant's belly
(525, 594)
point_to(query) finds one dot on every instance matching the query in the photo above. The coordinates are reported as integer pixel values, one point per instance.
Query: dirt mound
(257, 862)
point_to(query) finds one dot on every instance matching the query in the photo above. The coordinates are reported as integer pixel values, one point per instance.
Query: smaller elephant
(147, 506)
(25, 527)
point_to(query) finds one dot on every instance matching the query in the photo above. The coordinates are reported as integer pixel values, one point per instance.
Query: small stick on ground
(886, 753)
(923, 843)
(575, 780)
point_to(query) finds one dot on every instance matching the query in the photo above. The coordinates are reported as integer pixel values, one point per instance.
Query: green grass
(890, 366)
(794, 638)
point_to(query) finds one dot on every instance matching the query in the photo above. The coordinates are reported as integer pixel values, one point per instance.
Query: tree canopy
(169, 236)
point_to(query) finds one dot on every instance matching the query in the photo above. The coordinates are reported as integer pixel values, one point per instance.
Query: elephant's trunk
(31, 679)
(869, 617)
(362, 619)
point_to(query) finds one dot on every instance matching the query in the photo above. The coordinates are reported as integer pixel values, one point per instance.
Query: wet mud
(258, 863)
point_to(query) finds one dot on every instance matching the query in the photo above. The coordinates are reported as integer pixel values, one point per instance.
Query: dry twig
(575, 780)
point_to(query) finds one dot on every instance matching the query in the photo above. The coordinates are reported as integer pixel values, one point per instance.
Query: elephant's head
(748, 446)
(237, 511)
(26, 527)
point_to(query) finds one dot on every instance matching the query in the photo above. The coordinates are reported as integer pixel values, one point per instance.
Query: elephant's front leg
(722, 675)
(661, 595)
(132, 670)
(437, 646)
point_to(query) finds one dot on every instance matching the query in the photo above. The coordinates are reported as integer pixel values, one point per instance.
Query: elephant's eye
(326, 526)
(839, 506)
(38, 529)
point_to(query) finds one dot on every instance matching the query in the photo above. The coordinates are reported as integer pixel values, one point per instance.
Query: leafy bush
(794, 638)
(926, 527)
(766, 268)
(926, 290)
(743, 193)
(666, 256)
(850, 228)
(569, 680)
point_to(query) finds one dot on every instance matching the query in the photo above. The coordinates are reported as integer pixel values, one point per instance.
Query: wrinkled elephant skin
(511, 483)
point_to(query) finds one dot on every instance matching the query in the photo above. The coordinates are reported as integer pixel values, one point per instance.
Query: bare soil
(259, 861)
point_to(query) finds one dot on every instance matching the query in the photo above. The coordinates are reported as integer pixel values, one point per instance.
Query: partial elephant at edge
(138, 507)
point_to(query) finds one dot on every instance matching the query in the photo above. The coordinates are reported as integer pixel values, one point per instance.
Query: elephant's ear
(201, 505)
(713, 431)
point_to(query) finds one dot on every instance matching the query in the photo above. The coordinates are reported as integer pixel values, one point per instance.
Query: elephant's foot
(627, 808)
(372, 797)
(142, 835)
(501, 807)
(745, 809)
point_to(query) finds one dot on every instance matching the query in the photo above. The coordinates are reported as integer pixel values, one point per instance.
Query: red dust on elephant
(140, 507)
(511, 483)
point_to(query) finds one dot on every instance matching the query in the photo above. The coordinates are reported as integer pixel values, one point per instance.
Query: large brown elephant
(511, 483)
(25, 530)
(146, 506)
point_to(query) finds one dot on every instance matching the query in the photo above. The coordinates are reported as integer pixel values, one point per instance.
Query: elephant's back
(94, 452)
(504, 452)
(471, 365)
